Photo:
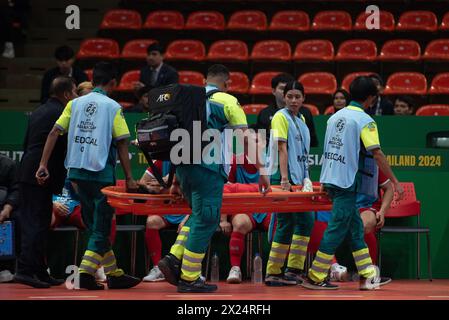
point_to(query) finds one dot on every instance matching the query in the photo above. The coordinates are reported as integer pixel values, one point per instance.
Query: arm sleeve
(235, 114)
(64, 120)
(279, 125)
(120, 128)
(370, 136)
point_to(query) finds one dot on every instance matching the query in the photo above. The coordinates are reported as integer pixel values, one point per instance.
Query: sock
(371, 242)
(236, 248)
(154, 245)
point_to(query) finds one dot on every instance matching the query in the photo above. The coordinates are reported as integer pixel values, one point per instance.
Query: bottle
(257, 269)
(215, 268)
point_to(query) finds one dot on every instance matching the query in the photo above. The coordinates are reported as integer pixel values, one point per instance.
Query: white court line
(438, 296)
(329, 296)
(197, 295)
(61, 297)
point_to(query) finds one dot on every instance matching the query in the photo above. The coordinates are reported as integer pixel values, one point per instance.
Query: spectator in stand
(381, 105)
(264, 117)
(404, 106)
(65, 58)
(340, 99)
(143, 104)
(156, 73)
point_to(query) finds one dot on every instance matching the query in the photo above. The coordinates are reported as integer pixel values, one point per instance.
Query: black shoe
(122, 282)
(197, 286)
(50, 280)
(278, 280)
(323, 285)
(296, 274)
(373, 283)
(31, 281)
(170, 266)
(87, 281)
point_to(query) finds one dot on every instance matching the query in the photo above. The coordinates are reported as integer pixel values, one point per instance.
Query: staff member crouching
(293, 229)
(96, 129)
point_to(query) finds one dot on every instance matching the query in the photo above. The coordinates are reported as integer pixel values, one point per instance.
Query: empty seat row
(295, 20)
(314, 82)
(276, 50)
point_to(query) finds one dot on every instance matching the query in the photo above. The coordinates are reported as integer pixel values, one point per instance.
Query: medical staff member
(202, 186)
(96, 130)
(290, 133)
(349, 132)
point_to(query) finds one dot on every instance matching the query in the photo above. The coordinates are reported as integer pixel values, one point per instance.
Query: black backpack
(172, 107)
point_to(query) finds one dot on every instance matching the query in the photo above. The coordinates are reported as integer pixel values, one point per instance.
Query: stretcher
(233, 203)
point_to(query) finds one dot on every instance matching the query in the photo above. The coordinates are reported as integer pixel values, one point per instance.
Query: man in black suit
(156, 73)
(381, 106)
(36, 200)
(65, 58)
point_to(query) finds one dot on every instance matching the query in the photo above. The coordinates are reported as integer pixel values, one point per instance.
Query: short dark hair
(103, 73)
(407, 99)
(156, 46)
(64, 53)
(361, 88)
(218, 70)
(294, 85)
(377, 77)
(345, 94)
(281, 78)
(61, 84)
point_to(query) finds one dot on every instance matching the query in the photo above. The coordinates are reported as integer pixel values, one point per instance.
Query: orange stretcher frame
(233, 203)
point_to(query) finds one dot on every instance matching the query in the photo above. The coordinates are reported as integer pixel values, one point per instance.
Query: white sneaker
(9, 51)
(154, 275)
(339, 273)
(6, 276)
(100, 275)
(235, 275)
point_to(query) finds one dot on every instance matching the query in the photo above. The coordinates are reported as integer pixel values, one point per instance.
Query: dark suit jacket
(167, 75)
(385, 107)
(77, 74)
(40, 124)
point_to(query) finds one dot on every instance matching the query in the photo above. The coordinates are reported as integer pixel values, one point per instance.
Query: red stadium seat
(386, 22)
(191, 77)
(329, 110)
(417, 21)
(437, 50)
(186, 50)
(406, 83)
(128, 79)
(440, 84)
(352, 50)
(248, 20)
(228, 50)
(322, 50)
(136, 49)
(272, 50)
(165, 19)
(400, 50)
(290, 20)
(239, 83)
(253, 109)
(433, 110)
(332, 20)
(121, 19)
(347, 80)
(318, 83)
(89, 74)
(313, 109)
(261, 83)
(205, 20)
(445, 22)
(98, 48)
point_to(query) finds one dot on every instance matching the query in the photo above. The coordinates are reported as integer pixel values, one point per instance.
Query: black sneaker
(278, 280)
(373, 283)
(122, 282)
(45, 277)
(197, 286)
(296, 274)
(170, 266)
(87, 281)
(32, 281)
(323, 285)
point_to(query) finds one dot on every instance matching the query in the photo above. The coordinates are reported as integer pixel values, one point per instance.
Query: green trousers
(345, 222)
(300, 223)
(203, 189)
(97, 215)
